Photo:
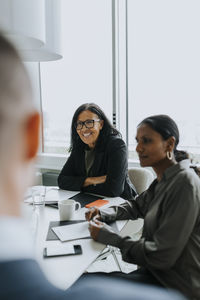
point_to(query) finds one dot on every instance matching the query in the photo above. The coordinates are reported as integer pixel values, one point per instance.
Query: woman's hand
(94, 228)
(91, 213)
(94, 180)
(103, 233)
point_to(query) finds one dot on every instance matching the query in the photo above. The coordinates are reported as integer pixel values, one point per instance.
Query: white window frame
(120, 87)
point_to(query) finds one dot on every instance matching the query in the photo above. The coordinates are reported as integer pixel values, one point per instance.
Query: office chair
(141, 178)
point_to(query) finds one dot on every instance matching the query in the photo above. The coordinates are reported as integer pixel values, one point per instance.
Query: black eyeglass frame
(84, 123)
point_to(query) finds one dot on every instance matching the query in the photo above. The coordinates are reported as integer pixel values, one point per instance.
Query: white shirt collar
(15, 239)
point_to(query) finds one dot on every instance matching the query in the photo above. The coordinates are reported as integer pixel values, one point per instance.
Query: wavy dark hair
(108, 128)
(166, 127)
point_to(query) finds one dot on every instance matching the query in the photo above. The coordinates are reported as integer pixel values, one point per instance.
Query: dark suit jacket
(110, 159)
(23, 280)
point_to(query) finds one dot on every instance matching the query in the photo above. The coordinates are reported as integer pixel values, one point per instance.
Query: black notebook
(84, 198)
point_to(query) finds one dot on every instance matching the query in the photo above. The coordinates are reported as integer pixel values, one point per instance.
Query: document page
(53, 194)
(72, 232)
(108, 264)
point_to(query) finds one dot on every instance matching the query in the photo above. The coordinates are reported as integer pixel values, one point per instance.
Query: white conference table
(64, 271)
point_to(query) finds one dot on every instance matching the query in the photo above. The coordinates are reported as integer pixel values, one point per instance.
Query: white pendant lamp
(52, 48)
(34, 27)
(23, 22)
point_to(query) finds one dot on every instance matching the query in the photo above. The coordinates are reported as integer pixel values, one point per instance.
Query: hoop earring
(169, 155)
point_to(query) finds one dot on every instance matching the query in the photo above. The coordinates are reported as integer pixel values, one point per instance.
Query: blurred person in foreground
(20, 276)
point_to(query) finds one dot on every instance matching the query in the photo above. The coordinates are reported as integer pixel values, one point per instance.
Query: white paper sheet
(72, 232)
(53, 194)
(108, 264)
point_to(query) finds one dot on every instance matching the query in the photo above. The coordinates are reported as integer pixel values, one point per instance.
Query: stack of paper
(72, 232)
(53, 194)
(108, 264)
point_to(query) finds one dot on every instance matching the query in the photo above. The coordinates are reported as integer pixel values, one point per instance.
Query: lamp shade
(52, 48)
(23, 22)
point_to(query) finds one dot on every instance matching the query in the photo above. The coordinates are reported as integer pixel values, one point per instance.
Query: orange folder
(97, 203)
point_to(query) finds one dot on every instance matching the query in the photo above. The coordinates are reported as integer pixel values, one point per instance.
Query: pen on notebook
(116, 259)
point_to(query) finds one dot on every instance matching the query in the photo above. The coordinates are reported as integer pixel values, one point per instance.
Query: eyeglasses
(87, 123)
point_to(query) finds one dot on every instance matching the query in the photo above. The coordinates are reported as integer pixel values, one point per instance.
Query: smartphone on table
(62, 250)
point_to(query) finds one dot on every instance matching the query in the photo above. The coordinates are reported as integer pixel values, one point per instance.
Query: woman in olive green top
(168, 252)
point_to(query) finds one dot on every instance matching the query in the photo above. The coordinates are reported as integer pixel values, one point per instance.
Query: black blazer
(110, 159)
(24, 280)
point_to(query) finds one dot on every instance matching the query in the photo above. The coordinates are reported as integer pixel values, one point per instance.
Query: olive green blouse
(170, 244)
(89, 160)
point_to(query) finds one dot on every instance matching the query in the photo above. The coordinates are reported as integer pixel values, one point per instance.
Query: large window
(164, 65)
(151, 57)
(83, 75)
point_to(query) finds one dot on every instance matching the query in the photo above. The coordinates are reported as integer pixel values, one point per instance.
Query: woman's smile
(86, 135)
(89, 136)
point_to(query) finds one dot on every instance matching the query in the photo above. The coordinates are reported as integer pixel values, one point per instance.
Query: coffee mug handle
(77, 204)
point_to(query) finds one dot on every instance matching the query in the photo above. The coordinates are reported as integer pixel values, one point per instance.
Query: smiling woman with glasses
(98, 159)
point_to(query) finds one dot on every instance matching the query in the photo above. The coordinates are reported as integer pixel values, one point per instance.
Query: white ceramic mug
(67, 209)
